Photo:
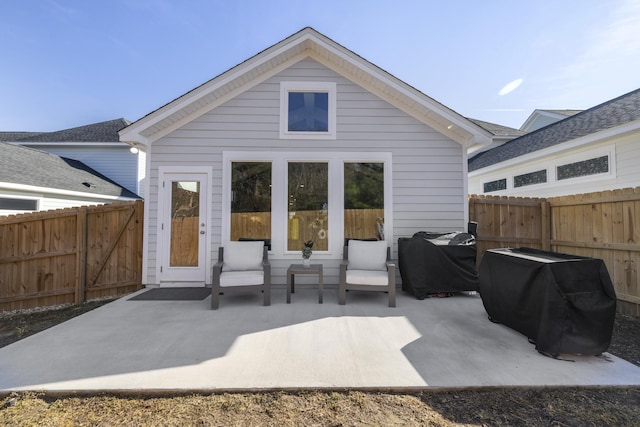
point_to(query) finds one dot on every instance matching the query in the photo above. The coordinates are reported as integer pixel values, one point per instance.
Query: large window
(307, 110)
(308, 205)
(250, 200)
(293, 197)
(364, 200)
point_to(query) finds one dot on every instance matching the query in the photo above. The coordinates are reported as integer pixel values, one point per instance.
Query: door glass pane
(250, 200)
(185, 216)
(364, 200)
(307, 205)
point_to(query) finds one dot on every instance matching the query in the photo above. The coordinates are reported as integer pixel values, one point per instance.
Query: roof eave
(306, 43)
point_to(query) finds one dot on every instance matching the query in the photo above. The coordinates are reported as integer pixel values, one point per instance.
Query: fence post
(81, 254)
(545, 225)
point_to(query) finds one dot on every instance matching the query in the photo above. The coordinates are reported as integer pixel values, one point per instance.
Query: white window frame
(581, 157)
(279, 207)
(315, 87)
(513, 178)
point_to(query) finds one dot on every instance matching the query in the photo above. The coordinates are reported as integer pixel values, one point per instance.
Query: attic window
(307, 110)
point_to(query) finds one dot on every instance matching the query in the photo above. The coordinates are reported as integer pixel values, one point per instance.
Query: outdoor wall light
(134, 150)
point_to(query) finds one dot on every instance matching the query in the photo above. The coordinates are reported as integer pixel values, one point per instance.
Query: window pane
(185, 216)
(308, 204)
(364, 200)
(308, 112)
(18, 204)
(584, 168)
(538, 177)
(500, 184)
(250, 200)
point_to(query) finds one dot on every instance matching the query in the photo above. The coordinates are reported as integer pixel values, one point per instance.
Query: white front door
(183, 227)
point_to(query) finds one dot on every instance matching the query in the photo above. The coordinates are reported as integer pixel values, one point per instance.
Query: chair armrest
(343, 264)
(391, 267)
(218, 266)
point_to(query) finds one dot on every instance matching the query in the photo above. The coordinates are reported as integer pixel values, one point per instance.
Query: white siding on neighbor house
(624, 170)
(114, 162)
(48, 202)
(428, 176)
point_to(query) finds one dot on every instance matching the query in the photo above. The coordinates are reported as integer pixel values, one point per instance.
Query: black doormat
(173, 294)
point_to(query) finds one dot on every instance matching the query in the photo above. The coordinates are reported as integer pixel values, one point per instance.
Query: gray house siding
(428, 177)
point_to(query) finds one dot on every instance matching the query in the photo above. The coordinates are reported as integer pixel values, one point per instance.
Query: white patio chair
(366, 267)
(241, 266)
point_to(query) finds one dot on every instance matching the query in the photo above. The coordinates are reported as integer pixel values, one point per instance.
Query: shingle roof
(22, 165)
(497, 130)
(96, 132)
(615, 112)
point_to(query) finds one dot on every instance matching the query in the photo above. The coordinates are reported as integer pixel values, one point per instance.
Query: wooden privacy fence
(603, 225)
(308, 225)
(70, 255)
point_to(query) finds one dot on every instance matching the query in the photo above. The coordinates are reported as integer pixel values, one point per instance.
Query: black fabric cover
(563, 303)
(427, 268)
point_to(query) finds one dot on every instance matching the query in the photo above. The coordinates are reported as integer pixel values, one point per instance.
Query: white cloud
(510, 87)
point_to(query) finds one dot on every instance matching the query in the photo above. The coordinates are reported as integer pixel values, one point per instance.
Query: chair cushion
(367, 255)
(368, 277)
(241, 278)
(242, 256)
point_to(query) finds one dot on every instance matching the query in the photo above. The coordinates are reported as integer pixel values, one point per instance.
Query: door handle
(201, 231)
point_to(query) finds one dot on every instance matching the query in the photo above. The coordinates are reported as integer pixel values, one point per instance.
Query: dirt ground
(557, 406)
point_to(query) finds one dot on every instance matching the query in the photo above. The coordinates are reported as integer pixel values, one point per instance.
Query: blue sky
(69, 63)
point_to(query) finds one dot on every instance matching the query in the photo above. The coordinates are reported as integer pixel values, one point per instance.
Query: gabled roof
(96, 132)
(565, 113)
(306, 43)
(546, 117)
(26, 166)
(613, 113)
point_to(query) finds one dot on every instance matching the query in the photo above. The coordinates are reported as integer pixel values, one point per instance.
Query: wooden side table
(300, 269)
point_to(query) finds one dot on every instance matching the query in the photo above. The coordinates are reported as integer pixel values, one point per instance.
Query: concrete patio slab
(183, 345)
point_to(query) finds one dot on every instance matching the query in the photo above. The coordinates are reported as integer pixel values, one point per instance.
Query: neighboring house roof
(501, 134)
(29, 167)
(541, 118)
(566, 113)
(498, 130)
(610, 114)
(304, 44)
(96, 132)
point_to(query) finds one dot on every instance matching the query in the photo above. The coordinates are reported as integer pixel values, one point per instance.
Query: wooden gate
(71, 255)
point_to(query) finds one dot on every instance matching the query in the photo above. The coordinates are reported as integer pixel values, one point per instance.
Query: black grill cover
(563, 303)
(427, 268)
